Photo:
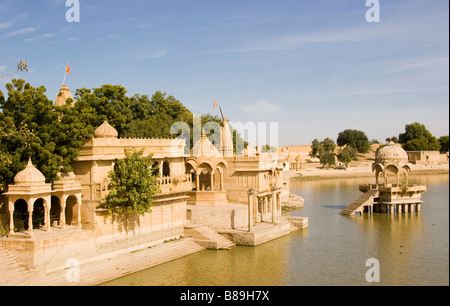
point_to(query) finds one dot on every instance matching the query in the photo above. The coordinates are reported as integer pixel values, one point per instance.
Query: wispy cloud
(4, 25)
(418, 63)
(18, 32)
(46, 35)
(151, 54)
(261, 107)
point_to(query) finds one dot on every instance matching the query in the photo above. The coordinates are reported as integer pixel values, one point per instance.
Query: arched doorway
(166, 169)
(55, 210)
(21, 215)
(71, 211)
(38, 213)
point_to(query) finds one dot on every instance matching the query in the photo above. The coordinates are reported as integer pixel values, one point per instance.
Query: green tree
(354, 138)
(417, 138)
(50, 136)
(444, 143)
(132, 185)
(324, 151)
(347, 154)
(328, 159)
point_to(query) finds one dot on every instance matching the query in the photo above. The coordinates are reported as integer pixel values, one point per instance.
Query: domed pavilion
(391, 158)
(387, 195)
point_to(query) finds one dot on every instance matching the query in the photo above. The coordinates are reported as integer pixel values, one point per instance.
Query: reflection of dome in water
(29, 176)
(391, 152)
(105, 131)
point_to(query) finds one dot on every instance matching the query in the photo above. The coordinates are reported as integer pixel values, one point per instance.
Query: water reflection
(412, 248)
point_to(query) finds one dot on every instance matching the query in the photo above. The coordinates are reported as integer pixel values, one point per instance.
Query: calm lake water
(412, 248)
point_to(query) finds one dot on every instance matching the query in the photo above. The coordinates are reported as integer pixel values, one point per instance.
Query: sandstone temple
(211, 195)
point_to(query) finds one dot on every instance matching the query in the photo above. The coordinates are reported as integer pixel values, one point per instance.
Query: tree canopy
(417, 138)
(354, 138)
(324, 150)
(132, 185)
(34, 127)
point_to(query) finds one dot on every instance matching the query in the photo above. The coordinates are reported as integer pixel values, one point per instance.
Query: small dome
(105, 131)
(391, 152)
(67, 176)
(29, 176)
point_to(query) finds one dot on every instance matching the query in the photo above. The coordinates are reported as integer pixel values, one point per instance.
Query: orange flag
(215, 104)
(67, 69)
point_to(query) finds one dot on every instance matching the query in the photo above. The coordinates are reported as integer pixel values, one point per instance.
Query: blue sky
(316, 67)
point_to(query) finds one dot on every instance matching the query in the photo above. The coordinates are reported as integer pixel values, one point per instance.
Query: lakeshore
(315, 172)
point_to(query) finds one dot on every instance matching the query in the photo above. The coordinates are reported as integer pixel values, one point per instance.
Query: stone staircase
(12, 269)
(358, 205)
(105, 268)
(207, 237)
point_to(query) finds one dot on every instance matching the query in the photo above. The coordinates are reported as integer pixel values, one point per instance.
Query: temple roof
(205, 148)
(391, 153)
(105, 131)
(29, 176)
(63, 95)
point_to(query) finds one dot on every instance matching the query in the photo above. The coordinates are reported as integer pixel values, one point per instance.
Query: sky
(314, 67)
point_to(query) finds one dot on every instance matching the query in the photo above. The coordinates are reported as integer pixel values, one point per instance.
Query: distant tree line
(353, 142)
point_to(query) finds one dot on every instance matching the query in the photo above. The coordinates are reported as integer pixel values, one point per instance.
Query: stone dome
(392, 153)
(66, 176)
(29, 176)
(105, 131)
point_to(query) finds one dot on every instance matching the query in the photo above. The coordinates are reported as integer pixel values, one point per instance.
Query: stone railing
(173, 184)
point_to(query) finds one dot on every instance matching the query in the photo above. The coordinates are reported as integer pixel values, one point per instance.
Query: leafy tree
(132, 185)
(34, 128)
(417, 138)
(393, 139)
(324, 150)
(328, 159)
(347, 154)
(444, 142)
(354, 138)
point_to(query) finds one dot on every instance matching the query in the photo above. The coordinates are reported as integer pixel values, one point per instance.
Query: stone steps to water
(208, 237)
(360, 202)
(102, 270)
(10, 267)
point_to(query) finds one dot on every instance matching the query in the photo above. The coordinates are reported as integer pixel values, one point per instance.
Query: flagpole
(221, 112)
(65, 73)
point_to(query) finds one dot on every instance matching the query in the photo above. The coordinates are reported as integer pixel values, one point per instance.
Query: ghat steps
(207, 237)
(10, 267)
(364, 200)
(107, 267)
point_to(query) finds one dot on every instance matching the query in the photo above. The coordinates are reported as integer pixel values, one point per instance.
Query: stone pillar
(274, 205)
(11, 217)
(47, 204)
(62, 215)
(418, 207)
(197, 181)
(250, 210)
(391, 209)
(78, 196)
(30, 206)
(212, 181)
(405, 208)
(221, 181)
(399, 208)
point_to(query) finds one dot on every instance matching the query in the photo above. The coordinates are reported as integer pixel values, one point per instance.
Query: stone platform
(264, 232)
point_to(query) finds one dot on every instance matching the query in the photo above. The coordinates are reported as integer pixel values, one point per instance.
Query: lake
(411, 248)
